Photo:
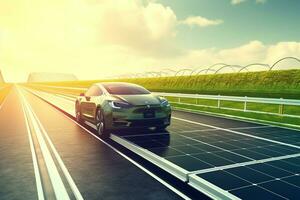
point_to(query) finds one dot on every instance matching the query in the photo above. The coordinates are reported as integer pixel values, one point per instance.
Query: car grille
(148, 123)
(143, 109)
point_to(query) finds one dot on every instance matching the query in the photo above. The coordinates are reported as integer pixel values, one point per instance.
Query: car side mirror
(82, 94)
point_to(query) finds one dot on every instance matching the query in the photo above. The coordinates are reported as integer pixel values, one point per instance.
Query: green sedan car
(111, 106)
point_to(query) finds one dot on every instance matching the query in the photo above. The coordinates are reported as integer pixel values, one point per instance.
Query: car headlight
(119, 104)
(164, 101)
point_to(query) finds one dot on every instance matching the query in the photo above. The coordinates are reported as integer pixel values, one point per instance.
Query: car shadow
(145, 138)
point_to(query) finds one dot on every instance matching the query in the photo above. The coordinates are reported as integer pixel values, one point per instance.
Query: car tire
(100, 124)
(78, 114)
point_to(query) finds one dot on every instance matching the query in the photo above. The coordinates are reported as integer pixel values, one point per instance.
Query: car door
(85, 103)
(89, 103)
(94, 101)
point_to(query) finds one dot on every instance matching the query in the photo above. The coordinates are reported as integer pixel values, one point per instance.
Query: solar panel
(278, 134)
(239, 164)
(278, 179)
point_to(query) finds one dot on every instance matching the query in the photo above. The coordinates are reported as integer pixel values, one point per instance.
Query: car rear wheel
(100, 124)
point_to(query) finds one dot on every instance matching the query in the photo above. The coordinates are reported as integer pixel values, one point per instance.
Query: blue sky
(270, 22)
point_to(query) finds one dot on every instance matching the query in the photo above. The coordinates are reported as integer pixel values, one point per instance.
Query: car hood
(139, 100)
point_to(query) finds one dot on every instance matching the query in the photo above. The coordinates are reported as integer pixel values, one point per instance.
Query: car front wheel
(100, 124)
(78, 114)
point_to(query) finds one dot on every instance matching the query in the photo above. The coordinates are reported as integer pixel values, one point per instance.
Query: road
(98, 171)
(46, 154)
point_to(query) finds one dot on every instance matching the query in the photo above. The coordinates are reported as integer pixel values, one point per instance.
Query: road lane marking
(170, 187)
(251, 127)
(245, 164)
(64, 169)
(57, 183)
(61, 87)
(293, 127)
(236, 132)
(215, 191)
(67, 97)
(34, 159)
(234, 128)
(271, 158)
(132, 161)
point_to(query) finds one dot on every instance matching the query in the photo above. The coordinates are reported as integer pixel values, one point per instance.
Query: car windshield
(125, 89)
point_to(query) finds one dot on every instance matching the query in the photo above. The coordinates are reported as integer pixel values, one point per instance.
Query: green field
(277, 84)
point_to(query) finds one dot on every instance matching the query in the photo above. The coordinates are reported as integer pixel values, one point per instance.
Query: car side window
(94, 91)
(98, 91)
(89, 91)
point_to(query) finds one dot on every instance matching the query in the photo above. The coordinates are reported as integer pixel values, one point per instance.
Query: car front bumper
(135, 118)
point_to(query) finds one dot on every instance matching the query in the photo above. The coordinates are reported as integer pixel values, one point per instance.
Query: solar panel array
(243, 165)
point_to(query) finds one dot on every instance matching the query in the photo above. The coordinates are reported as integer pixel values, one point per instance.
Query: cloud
(251, 52)
(138, 26)
(64, 36)
(200, 21)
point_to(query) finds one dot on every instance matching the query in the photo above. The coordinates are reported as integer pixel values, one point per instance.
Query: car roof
(114, 83)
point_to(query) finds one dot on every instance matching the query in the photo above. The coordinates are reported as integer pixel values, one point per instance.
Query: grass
(270, 108)
(253, 116)
(4, 90)
(276, 84)
(292, 110)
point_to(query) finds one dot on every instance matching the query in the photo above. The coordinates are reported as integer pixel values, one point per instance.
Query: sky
(94, 39)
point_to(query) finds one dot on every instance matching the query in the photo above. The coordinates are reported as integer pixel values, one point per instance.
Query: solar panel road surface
(222, 158)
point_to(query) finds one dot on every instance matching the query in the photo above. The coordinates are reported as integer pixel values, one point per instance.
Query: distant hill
(50, 77)
(1, 78)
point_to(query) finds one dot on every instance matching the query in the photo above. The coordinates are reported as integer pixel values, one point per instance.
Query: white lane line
(34, 159)
(159, 161)
(253, 127)
(223, 195)
(66, 97)
(64, 169)
(133, 162)
(63, 103)
(236, 132)
(60, 87)
(245, 164)
(198, 130)
(293, 127)
(234, 128)
(170, 187)
(57, 183)
(146, 134)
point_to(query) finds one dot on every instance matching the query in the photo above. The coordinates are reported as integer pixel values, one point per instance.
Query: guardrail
(219, 99)
(245, 100)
